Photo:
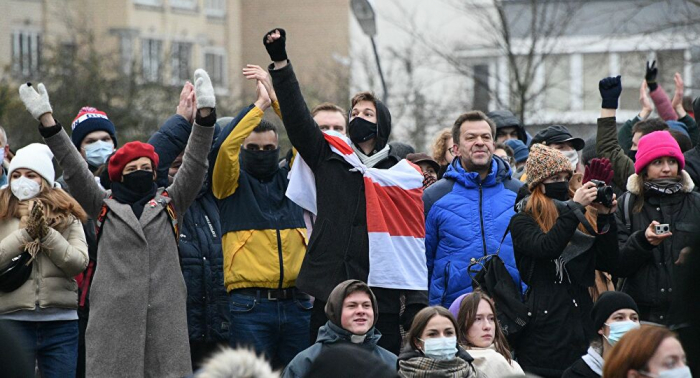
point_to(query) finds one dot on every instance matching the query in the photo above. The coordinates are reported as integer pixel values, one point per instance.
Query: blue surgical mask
(619, 329)
(681, 372)
(96, 153)
(441, 348)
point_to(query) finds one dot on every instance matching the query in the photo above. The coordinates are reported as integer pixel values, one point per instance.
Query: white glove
(36, 103)
(203, 90)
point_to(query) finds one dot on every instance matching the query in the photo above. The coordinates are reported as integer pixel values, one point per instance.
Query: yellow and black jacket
(264, 236)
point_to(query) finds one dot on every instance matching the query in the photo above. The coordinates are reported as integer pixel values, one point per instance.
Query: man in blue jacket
(468, 211)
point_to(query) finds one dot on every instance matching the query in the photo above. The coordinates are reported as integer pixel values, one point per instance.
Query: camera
(662, 229)
(605, 193)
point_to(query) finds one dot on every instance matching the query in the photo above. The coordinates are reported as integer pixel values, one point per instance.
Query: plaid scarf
(664, 186)
(424, 367)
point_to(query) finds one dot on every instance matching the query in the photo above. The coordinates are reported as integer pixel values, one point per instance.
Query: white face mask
(441, 348)
(24, 188)
(572, 155)
(681, 372)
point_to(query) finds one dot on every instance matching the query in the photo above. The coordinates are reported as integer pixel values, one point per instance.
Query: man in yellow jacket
(264, 237)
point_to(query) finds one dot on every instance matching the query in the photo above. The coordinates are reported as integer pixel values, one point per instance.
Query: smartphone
(662, 229)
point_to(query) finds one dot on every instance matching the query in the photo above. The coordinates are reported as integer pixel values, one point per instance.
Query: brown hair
(55, 199)
(634, 350)
(420, 321)
(648, 126)
(467, 315)
(440, 146)
(329, 107)
(363, 96)
(509, 151)
(545, 212)
(472, 116)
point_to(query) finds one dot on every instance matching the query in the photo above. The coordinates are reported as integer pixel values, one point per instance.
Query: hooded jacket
(339, 246)
(466, 218)
(649, 271)
(504, 118)
(333, 333)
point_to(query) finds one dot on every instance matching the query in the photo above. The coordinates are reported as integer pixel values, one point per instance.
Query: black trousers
(388, 325)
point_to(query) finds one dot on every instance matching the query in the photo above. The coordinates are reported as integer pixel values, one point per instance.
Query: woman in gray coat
(138, 321)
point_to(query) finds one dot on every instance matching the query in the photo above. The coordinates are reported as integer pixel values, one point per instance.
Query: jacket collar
(150, 212)
(499, 172)
(331, 333)
(634, 187)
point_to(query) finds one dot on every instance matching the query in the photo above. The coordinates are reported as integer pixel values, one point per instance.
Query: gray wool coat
(138, 319)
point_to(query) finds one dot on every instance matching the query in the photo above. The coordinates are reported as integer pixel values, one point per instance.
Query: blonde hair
(440, 146)
(55, 199)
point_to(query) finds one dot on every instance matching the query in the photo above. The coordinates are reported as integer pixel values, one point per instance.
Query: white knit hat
(36, 157)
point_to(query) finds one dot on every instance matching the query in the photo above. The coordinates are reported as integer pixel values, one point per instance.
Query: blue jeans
(277, 328)
(54, 345)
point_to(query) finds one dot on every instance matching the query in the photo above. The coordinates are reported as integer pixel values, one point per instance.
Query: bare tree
(526, 33)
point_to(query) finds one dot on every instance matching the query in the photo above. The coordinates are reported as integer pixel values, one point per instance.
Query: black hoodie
(504, 118)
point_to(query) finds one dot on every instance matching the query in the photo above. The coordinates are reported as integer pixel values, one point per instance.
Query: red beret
(128, 153)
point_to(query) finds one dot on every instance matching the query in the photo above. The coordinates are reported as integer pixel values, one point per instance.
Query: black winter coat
(201, 256)
(339, 245)
(692, 164)
(579, 370)
(560, 326)
(649, 271)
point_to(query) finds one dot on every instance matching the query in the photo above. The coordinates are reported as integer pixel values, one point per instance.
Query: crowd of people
(498, 253)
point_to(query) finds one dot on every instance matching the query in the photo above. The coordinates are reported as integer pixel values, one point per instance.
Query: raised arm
(683, 116)
(170, 140)
(658, 95)
(189, 179)
(606, 140)
(227, 166)
(84, 189)
(303, 132)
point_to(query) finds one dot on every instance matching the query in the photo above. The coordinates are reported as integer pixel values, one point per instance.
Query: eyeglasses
(450, 149)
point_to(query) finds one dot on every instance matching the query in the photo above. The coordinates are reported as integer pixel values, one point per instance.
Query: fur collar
(633, 184)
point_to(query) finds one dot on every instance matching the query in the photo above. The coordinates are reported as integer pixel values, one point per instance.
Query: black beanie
(607, 304)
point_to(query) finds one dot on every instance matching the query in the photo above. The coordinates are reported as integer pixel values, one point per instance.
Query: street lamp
(365, 16)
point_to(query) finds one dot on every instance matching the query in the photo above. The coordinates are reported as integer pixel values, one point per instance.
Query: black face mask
(632, 154)
(260, 164)
(557, 190)
(138, 181)
(361, 130)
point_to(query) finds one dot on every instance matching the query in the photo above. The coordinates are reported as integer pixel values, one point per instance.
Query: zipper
(447, 281)
(481, 218)
(279, 253)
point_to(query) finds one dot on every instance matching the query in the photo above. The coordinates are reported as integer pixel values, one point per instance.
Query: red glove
(599, 169)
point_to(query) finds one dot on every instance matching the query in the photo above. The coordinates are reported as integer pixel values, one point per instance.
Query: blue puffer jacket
(466, 218)
(200, 243)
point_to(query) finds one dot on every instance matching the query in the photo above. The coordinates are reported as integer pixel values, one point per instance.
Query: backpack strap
(100, 221)
(626, 211)
(172, 214)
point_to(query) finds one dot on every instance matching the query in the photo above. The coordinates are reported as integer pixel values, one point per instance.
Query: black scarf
(663, 186)
(134, 199)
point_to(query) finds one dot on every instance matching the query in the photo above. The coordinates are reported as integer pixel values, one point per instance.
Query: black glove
(650, 76)
(610, 89)
(277, 49)
(409, 313)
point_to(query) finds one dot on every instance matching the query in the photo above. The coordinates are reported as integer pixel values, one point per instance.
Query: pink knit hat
(656, 145)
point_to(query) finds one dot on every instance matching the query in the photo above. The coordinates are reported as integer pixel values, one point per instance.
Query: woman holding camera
(656, 220)
(559, 242)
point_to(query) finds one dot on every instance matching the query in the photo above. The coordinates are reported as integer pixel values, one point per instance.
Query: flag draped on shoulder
(395, 220)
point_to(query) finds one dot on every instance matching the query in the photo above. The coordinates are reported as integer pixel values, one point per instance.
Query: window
(151, 54)
(215, 65)
(155, 3)
(215, 8)
(180, 54)
(25, 53)
(481, 88)
(184, 4)
(126, 52)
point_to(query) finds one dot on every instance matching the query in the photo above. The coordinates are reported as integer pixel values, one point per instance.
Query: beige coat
(51, 282)
(138, 321)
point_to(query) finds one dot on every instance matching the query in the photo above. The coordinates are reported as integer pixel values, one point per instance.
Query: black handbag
(494, 279)
(16, 274)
